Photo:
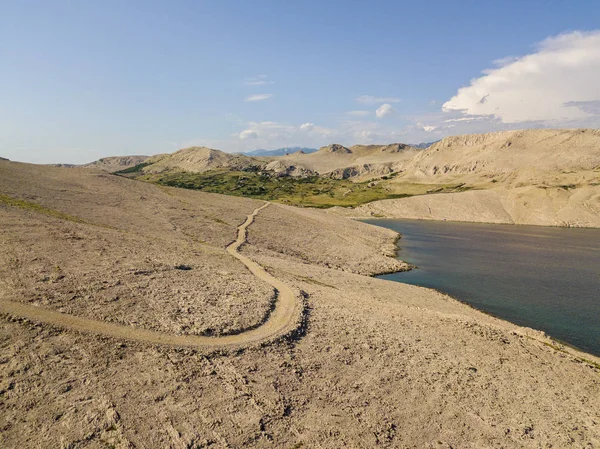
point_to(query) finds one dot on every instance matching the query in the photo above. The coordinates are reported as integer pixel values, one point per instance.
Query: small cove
(541, 277)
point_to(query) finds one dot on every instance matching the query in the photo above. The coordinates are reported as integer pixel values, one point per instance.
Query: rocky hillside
(201, 159)
(542, 177)
(517, 154)
(356, 162)
(116, 163)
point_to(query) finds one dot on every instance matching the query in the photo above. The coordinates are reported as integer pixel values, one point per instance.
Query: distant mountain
(280, 151)
(424, 145)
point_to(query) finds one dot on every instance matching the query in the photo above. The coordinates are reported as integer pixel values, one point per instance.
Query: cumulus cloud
(258, 97)
(248, 134)
(358, 113)
(384, 110)
(428, 128)
(555, 85)
(259, 80)
(370, 99)
(307, 126)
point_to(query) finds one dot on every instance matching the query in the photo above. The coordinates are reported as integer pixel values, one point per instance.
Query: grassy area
(313, 191)
(136, 169)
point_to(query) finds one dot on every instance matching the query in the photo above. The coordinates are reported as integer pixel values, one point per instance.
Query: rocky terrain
(201, 159)
(109, 164)
(369, 363)
(116, 163)
(540, 177)
(356, 162)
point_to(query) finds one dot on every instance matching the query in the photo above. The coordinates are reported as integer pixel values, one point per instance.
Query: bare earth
(365, 362)
(548, 177)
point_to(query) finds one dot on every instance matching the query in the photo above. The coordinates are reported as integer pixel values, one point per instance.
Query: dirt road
(281, 319)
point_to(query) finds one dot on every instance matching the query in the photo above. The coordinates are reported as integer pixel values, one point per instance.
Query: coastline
(554, 341)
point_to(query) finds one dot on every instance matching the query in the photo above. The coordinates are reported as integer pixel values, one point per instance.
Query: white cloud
(358, 113)
(248, 134)
(370, 99)
(384, 110)
(258, 97)
(556, 85)
(259, 80)
(428, 128)
(307, 126)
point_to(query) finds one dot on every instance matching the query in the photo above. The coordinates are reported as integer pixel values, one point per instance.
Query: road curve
(281, 319)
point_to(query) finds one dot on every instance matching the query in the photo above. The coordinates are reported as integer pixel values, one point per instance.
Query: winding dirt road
(281, 319)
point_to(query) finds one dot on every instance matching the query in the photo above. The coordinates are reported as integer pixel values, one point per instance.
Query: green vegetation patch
(135, 169)
(313, 191)
(451, 189)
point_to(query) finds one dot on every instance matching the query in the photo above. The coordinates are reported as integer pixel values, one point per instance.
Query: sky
(81, 80)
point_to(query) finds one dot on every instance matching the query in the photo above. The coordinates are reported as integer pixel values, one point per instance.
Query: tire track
(281, 320)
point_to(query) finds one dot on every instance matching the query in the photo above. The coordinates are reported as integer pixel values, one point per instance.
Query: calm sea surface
(540, 277)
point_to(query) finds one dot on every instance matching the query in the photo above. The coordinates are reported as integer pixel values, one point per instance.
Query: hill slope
(116, 163)
(541, 177)
(509, 155)
(357, 161)
(201, 159)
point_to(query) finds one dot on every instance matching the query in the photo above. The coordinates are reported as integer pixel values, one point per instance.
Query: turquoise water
(541, 277)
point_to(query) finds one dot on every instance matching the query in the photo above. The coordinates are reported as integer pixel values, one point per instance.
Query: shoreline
(379, 217)
(558, 344)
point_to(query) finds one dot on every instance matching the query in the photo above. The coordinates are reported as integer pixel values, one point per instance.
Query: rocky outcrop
(281, 168)
(335, 148)
(361, 170)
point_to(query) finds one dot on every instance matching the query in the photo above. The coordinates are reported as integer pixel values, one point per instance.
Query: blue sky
(82, 80)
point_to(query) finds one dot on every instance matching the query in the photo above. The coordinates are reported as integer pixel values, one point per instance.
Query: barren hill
(116, 163)
(509, 155)
(201, 159)
(543, 177)
(357, 161)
